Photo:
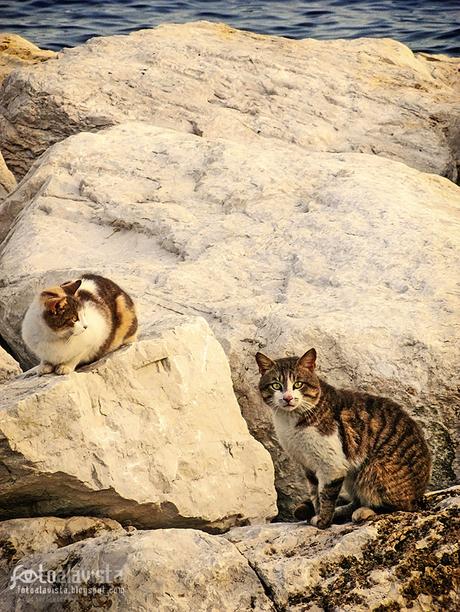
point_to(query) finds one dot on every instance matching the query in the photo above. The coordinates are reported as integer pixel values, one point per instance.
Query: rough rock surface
(395, 562)
(279, 249)
(24, 537)
(169, 570)
(150, 436)
(9, 367)
(365, 95)
(7, 180)
(17, 52)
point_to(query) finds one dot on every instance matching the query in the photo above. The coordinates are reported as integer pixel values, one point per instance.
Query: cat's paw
(304, 511)
(319, 522)
(64, 369)
(44, 368)
(362, 514)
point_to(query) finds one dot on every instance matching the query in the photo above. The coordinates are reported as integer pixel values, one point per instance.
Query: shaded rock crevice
(62, 495)
(268, 590)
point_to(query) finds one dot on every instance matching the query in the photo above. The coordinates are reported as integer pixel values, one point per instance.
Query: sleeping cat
(364, 443)
(77, 323)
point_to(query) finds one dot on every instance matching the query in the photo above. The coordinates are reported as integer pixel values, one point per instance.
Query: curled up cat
(366, 446)
(77, 323)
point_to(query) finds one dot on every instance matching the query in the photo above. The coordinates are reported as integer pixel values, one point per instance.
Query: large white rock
(169, 570)
(278, 248)
(365, 95)
(151, 436)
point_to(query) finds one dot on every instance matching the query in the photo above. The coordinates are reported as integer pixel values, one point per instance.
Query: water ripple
(432, 26)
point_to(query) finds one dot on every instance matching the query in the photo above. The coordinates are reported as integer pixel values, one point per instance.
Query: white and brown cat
(77, 323)
(362, 445)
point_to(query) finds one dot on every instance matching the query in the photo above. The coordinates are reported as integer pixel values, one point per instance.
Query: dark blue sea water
(432, 26)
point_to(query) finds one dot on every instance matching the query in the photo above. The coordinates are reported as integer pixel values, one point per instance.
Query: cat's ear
(264, 363)
(71, 287)
(308, 360)
(55, 304)
(48, 294)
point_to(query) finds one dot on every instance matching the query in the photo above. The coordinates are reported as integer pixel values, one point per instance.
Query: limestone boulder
(150, 436)
(278, 248)
(366, 95)
(400, 561)
(9, 367)
(172, 570)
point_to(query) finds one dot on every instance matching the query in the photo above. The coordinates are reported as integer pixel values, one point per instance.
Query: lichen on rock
(399, 561)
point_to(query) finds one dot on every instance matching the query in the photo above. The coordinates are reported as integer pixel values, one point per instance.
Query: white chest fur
(321, 454)
(48, 347)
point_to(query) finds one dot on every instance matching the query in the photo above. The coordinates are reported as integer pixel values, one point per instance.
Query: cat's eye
(298, 385)
(276, 386)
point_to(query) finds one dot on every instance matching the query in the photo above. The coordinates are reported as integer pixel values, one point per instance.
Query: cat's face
(289, 383)
(63, 311)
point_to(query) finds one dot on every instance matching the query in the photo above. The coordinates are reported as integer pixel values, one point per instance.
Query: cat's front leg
(67, 368)
(303, 511)
(64, 369)
(313, 490)
(44, 368)
(327, 499)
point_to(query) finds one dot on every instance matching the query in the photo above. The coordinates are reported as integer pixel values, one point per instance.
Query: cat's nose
(288, 397)
(85, 326)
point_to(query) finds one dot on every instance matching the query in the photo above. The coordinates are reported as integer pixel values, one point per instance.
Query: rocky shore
(251, 193)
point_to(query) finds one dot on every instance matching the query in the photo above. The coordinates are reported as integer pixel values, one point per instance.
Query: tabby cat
(77, 323)
(364, 445)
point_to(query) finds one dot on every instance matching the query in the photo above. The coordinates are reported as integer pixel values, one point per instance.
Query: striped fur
(78, 322)
(364, 445)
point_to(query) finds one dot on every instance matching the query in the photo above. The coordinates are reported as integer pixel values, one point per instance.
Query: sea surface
(432, 26)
